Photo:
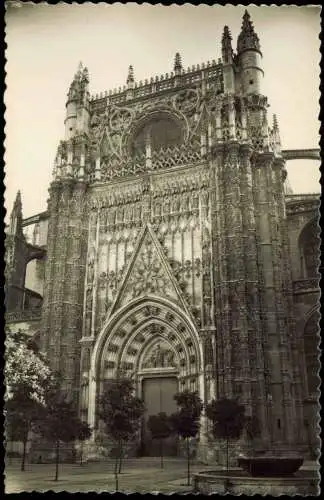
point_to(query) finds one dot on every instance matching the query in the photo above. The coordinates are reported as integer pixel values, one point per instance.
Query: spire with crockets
(79, 86)
(276, 141)
(227, 51)
(247, 39)
(15, 226)
(130, 77)
(177, 64)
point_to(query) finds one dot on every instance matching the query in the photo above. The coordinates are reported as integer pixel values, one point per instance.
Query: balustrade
(25, 315)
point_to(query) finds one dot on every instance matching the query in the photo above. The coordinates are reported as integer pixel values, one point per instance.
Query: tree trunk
(57, 459)
(81, 452)
(188, 462)
(161, 452)
(120, 457)
(116, 470)
(22, 468)
(227, 481)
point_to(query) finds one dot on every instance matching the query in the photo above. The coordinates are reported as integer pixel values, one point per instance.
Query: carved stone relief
(161, 356)
(148, 276)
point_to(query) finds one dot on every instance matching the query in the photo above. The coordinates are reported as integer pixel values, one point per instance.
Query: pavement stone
(139, 475)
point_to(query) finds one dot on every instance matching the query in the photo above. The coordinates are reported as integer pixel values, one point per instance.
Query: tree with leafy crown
(27, 375)
(60, 422)
(25, 366)
(121, 411)
(186, 421)
(228, 421)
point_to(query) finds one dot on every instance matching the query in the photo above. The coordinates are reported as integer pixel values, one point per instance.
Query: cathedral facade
(172, 251)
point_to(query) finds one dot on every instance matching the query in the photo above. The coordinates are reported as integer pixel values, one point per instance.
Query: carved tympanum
(160, 357)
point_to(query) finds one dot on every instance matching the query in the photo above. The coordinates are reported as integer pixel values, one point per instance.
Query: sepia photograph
(162, 248)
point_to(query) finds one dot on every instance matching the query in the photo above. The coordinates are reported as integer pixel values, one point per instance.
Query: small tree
(228, 420)
(26, 367)
(22, 412)
(186, 421)
(121, 412)
(60, 422)
(160, 428)
(27, 376)
(83, 433)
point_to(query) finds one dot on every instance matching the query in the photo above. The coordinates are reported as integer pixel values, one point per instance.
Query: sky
(45, 44)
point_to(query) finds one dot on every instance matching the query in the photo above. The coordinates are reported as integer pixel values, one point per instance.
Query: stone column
(57, 351)
(255, 394)
(278, 385)
(291, 363)
(53, 209)
(74, 288)
(218, 226)
(146, 200)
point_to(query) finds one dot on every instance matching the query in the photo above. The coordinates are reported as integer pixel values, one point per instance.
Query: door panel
(158, 395)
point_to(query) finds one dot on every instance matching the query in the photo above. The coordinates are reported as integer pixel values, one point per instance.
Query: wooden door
(158, 395)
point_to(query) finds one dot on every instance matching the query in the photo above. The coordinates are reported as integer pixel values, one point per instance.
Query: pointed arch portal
(155, 341)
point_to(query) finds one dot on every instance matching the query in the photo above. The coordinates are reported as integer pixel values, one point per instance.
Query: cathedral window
(309, 243)
(159, 133)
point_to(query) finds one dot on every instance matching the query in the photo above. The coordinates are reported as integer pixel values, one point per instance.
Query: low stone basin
(240, 482)
(270, 466)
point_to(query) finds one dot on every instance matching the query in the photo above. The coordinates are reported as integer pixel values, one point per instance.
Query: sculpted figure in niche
(90, 271)
(138, 212)
(158, 209)
(166, 206)
(184, 203)
(195, 201)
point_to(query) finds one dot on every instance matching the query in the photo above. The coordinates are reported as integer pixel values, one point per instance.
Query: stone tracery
(209, 200)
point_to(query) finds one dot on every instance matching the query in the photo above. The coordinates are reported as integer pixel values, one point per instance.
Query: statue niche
(160, 357)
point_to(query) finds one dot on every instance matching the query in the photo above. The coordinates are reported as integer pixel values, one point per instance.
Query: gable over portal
(148, 273)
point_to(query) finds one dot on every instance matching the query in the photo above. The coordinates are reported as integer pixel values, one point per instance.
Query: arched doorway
(153, 341)
(158, 382)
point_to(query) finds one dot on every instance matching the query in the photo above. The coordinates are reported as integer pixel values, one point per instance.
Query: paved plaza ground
(141, 475)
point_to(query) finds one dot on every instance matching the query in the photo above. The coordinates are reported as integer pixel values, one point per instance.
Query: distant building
(173, 250)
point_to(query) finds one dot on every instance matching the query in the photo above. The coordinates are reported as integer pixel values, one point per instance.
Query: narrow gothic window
(309, 250)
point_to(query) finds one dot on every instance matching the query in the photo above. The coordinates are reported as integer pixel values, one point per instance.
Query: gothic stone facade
(173, 249)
